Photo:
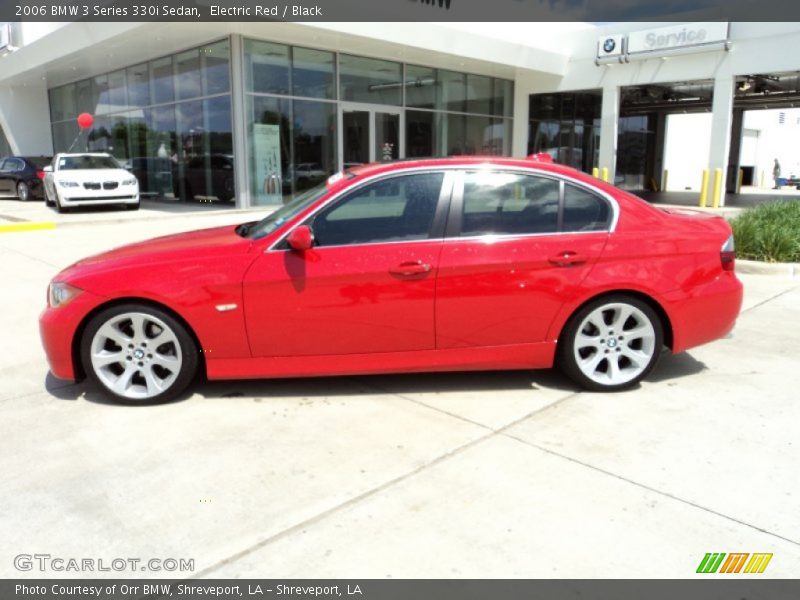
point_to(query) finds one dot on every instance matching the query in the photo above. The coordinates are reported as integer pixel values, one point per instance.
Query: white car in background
(89, 179)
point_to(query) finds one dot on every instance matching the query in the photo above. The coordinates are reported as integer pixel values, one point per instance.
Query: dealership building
(255, 113)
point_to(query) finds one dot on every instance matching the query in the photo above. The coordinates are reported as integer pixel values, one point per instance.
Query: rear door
(518, 245)
(366, 286)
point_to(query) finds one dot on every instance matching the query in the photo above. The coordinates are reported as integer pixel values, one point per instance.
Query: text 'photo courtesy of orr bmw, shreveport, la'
(469, 263)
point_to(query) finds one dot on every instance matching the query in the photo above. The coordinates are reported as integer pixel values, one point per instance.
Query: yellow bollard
(664, 181)
(595, 172)
(761, 185)
(605, 174)
(717, 186)
(739, 183)
(704, 189)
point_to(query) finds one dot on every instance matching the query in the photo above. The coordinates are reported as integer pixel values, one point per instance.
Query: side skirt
(511, 357)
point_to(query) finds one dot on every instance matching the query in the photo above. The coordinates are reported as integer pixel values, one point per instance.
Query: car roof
(535, 161)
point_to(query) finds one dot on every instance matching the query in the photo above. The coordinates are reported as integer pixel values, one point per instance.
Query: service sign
(673, 37)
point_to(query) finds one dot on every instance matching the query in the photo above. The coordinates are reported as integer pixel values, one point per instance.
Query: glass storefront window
(63, 104)
(452, 90)
(162, 80)
(313, 73)
(187, 75)
(370, 80)
(117, 94)
(270, 148)
(420, 87)
(503, 101)
(216, 68)
(314, 133)
(266, 67)
(420, 134)
(138, 85)
(479, 94)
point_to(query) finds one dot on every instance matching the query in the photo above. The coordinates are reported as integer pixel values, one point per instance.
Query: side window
(509, 203)
(13, 164)
(398, 209)
(584, 211)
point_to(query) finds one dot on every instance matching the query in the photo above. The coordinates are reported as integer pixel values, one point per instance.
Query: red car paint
(447, 303)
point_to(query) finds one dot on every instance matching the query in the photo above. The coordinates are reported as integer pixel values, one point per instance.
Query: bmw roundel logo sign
(609, 45)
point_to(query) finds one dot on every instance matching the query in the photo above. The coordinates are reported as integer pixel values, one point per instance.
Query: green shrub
(769, 232)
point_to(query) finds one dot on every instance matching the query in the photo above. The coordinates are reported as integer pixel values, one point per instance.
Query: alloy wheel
(23, 191)
(615, 344)
(136, 355)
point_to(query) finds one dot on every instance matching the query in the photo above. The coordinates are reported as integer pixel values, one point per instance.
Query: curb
(167, 216)
(756, 267)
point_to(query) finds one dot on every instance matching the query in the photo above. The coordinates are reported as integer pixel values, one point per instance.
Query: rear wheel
(138, 353)
(610, 344)
(23, 191)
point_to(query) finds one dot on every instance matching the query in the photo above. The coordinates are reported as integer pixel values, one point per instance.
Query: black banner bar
(398, 10)
(713, 588)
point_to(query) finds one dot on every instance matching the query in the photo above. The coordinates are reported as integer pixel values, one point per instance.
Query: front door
(368, 283)
(370, 134)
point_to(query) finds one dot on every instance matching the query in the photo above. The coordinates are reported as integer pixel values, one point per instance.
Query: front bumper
(58, 327)
(82, 197)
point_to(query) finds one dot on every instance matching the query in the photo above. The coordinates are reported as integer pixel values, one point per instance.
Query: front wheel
(138, 353)
(611, 344)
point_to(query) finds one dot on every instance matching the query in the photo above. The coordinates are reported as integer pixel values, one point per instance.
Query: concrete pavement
(514, 474)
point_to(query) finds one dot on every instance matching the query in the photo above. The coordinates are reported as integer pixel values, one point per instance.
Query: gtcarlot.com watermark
(60, 564)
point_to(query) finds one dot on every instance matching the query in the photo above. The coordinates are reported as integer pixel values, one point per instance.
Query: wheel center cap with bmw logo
(138, 354)
(612, 342)
(609, 45)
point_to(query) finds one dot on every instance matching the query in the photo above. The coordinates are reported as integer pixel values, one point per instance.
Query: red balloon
(85, 120)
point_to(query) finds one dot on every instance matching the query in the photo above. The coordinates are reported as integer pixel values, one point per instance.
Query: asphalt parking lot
(514, 474)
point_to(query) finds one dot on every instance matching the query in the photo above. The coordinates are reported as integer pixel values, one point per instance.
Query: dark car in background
(155, 174)
(22, 176)
(206, 178)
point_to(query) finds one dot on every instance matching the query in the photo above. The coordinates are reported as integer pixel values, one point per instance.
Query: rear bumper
(706, 313)
(57, 328)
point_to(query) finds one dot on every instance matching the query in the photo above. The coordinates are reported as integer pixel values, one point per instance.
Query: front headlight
(129, 182)
(68, 184)
(60, 293)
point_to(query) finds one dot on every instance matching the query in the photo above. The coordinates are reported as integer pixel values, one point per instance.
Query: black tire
(186, 352)
(623, 363)
(59, 208)
(23, 191)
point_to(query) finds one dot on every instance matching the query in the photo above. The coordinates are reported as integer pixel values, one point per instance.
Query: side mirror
(300, 238)
(47, 168)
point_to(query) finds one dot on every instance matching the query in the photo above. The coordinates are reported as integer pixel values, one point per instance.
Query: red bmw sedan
(433, 265)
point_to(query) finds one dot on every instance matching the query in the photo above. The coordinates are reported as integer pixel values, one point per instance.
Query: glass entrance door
(369, 134)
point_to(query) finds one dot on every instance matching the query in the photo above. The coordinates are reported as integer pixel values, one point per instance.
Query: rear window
(39, 161)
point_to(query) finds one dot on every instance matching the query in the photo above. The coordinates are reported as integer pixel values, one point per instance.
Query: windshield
(71, 163)
(285, 213)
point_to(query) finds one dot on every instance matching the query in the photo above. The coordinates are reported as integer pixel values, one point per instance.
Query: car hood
(191, 246)
(84, 175)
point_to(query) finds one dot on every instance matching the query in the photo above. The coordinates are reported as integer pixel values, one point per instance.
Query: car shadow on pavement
(669, 367)
(395, 384)
(675, 366)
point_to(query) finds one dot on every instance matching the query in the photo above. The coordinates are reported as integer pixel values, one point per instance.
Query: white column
(609, 125)
(25, 118)
(722, 117)
(239, 118)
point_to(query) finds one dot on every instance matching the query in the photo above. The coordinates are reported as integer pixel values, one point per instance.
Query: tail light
(40, 175)
(727, 255)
